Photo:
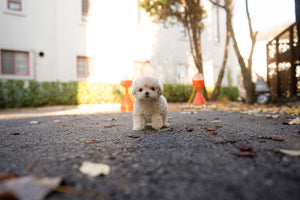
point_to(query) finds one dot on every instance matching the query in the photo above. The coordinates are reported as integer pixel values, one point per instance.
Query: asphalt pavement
(211, 155)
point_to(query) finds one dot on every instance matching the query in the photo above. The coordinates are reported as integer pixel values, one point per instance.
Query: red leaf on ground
(8, 176)
(245, 148)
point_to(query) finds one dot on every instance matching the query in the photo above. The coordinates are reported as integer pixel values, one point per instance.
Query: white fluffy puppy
(150, 105)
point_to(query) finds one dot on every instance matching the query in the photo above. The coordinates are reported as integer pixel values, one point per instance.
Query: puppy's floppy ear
(160, 89)
(133, 89)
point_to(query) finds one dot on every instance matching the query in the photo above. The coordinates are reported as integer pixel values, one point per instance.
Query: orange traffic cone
(126, 104)
(198, 82)
(199, 99)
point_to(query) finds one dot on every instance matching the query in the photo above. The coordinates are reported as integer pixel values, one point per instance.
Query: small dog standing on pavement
(150, 105)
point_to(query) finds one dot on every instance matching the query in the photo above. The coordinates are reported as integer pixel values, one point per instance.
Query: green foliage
(177, 93)
(36, 95)
(172, 11)
(18, 93)
(229, 77)
(15, 95)
(228, 93)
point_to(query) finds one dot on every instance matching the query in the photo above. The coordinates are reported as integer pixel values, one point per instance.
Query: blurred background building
(106, 41)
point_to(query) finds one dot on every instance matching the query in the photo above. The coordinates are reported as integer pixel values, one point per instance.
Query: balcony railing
(283, 65)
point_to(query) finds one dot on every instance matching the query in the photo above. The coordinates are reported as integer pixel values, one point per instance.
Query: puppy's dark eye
(140, 89)
(152, 88)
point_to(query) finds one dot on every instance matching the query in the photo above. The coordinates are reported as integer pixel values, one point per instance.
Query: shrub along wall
(18, 93)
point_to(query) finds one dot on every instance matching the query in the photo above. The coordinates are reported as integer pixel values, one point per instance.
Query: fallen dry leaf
(33, 122)
(295, 121)
(189, 129)
(288, 152)
(213, 128)
(30, 167)
(278, 139)
(245, 154)
(94, 169)
(92, 141)
(110, 119)
(29, 187)
(109, 126)
(8, 176)
(134, 136)
(75, 191)
(57, 121)
(216, 121)
(265, 137)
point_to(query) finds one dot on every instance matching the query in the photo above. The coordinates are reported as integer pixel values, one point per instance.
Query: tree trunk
(194, 28)
(216, 91)
(246, 71)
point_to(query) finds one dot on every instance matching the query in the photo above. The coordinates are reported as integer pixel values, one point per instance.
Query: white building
(49, 40)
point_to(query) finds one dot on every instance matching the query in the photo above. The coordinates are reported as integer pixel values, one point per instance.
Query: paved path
(196, 159)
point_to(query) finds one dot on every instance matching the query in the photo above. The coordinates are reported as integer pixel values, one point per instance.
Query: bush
(228, 93)
(95, 93)
(177, 93)
(18, 93)
(36, 96)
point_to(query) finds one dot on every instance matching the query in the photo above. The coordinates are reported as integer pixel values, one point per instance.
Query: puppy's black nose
(147, 93)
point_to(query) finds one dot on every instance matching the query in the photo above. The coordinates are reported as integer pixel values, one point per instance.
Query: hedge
(19, 93)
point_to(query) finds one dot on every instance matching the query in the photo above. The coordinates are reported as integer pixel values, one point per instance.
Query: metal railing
(283, 65)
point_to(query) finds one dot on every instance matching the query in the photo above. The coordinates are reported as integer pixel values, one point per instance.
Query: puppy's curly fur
(150, 105)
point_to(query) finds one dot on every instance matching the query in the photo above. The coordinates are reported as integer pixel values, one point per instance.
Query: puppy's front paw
(157, 122)
(157, 126)
(140, 128)
(166, 124)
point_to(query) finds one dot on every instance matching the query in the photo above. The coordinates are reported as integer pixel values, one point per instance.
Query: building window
(85, 10)
(141, 68)
(14, 62)
(182, 73)
(15, 5)
(183, 32)
(85, 67)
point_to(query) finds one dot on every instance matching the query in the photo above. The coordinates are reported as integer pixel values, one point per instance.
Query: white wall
(26, 32)
(113, 36)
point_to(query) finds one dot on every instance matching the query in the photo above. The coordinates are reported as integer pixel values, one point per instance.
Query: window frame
(85, 16)
(15, 63)
(87, 68)
(9, 2)
(182, 31)
(182, 73)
